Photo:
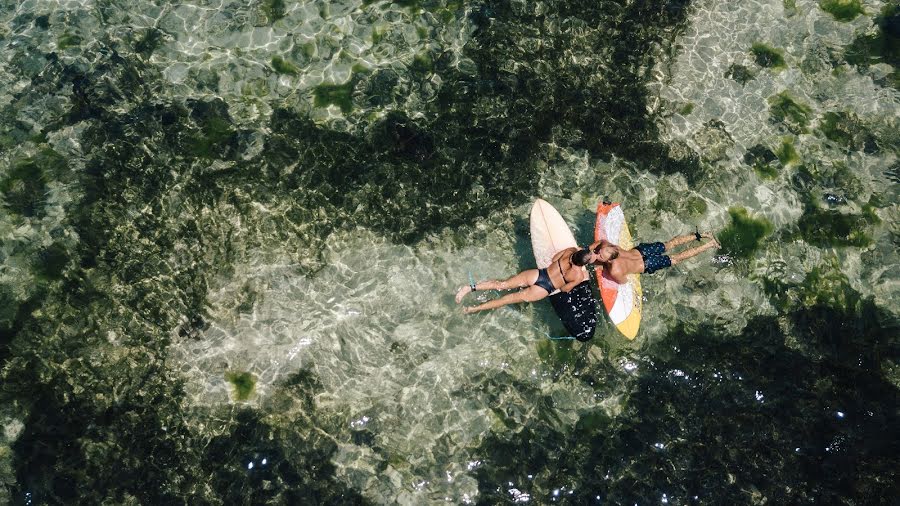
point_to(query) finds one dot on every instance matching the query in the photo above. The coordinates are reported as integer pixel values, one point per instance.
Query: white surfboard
(549, 235)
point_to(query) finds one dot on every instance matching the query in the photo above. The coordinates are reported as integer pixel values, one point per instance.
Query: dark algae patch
(763, 160)
(23, 187)
(847, 131)
(67, 40)
(283, 66)
(737, 418)
(740, 73)
(340, 95)
(273, 9)
(786, 153)
(768, 56)
(842, 10)
(745, 234)
(881, 45)
(825, 227)
(149, 42)
(790, 113)
(243, 384)
(741, 417)
(214, 137)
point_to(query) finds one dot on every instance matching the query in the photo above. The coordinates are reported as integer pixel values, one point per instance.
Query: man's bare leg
(684, 239)
(684, 255)
(520, 280)
(530, 294)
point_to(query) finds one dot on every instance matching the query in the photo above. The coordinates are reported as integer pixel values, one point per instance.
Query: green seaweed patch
(766, 171)
(340, 95)
(790, 7)
(378, 35)
(215, 132)
(696, 206)
(789, 112)
(283, 66)
(686, 109)
(67, 40)
(422, 63)
(763, 160)
(255, 88)
(745, 234)
(842, 10)
(248, 299)
(308, 50)
(831, 227)
(415, 5)
(768, 56)
(448, 12)
(360, 68)
(835, 176)
(826, 285)
(740, 73)
(846, 130)
(149, 42)
(557, 354)
(244, 384)
(23, 189)
(273, 9)
(786, 153)
(51, 262)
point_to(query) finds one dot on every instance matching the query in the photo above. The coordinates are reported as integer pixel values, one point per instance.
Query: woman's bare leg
(684, 255)
(530, 294)
(520, 280)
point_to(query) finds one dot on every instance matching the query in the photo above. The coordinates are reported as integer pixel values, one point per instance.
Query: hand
(706, 235)
(463, 290)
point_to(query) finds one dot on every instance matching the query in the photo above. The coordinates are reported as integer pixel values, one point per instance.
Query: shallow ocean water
(231, 234)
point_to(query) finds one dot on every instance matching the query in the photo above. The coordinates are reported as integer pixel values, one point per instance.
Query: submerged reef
(133, 184)
(160, 196)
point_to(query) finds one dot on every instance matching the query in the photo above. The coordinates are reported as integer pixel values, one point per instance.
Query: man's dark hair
(580, 258)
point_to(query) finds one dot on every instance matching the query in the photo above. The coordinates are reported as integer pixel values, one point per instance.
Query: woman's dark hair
(580, 257)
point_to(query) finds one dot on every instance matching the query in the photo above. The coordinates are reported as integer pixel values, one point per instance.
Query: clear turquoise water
(231, 233)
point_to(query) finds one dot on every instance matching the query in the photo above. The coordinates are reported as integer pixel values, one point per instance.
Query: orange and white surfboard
(622, 302)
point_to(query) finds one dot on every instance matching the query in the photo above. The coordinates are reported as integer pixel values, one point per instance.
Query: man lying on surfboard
(646, 258)
(564, 273)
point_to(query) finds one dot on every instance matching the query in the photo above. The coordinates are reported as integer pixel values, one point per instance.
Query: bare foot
(462, 293)
(469, 310)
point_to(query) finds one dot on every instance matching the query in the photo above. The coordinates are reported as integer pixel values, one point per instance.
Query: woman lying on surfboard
(646, 258)
(564, 273)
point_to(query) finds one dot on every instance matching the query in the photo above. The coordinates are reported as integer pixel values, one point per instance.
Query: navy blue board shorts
(652, 253)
